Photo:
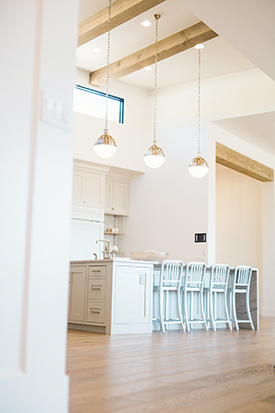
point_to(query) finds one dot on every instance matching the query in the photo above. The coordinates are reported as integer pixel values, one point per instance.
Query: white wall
(167, 205)
(130, 136)
(238, 218)
(266, 276)
(37, 46)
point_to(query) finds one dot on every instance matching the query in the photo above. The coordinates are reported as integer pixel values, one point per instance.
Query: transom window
(93, 103)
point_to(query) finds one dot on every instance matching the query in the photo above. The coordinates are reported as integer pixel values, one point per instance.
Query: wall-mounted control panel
(200, 237)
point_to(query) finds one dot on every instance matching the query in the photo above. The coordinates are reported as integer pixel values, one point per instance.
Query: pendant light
(105, 146)
(198, 166)
(154, 156)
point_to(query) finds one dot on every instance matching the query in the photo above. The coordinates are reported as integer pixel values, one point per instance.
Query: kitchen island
(120, 296)
(111, 296)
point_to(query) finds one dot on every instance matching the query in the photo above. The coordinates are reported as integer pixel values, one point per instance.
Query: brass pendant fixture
(105, 146)
(198, 167)
(154, 156)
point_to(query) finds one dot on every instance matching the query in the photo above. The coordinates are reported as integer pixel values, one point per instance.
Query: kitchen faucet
(108, 250)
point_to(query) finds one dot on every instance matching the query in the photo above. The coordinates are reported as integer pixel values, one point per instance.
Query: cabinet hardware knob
(95, 312)
(113, 208)
(96, 270)
(96, 289)
(84, 202)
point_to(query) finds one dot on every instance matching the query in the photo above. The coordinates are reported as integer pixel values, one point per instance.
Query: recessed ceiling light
(146, 23)
(147, 68)
(97, 50)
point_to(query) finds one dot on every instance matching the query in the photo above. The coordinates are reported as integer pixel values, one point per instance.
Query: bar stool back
(170, 282)
(241, 285)
(193, 283)
(218, 285)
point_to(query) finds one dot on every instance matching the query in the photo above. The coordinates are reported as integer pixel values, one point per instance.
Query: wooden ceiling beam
(176, 43)
(241, 163)
(122, 11)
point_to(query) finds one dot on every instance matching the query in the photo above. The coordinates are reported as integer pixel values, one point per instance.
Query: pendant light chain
(108, 64)
(105, 145)
(198, 166)
(154, 156)
(157, 16)
(199, 104)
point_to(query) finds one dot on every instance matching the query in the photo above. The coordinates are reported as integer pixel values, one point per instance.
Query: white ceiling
(246, 40)
(248, 25)
(218, 57)
(259, 130)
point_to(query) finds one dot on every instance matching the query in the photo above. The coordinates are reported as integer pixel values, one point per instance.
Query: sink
(149, 256)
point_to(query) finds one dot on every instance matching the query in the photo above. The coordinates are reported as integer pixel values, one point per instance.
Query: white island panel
(118, 299)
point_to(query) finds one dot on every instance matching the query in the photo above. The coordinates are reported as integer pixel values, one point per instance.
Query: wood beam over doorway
(241, 163)
(176, 43)
(122, 11)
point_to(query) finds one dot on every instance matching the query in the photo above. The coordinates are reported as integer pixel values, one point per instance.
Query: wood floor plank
(215, 372)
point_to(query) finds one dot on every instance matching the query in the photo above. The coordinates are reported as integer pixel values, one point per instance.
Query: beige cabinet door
(77, 294)
(94, 190)
(117, 197)
(88, 189)
(120, 198)
(108, 207)
(78, 188)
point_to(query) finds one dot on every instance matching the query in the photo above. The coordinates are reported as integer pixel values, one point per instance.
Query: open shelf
(115, 221)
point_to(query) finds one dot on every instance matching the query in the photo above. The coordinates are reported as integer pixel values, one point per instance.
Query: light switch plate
(56, 112)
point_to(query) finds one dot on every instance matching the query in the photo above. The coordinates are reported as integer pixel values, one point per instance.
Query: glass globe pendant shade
(105, 146)
(154, 156)
(198, 167)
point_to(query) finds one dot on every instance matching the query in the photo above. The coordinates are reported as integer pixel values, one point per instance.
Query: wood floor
(199, 372)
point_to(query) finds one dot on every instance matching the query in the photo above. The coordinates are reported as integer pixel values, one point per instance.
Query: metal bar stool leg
(179, 307)
(226, 310)
(186, 312)
(211, 311)
(234, 311)
(202, 309)
(248, 309)
(161, 310)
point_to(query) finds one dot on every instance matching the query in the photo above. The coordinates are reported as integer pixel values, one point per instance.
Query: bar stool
(218, 285)
(170, 282)
(193, 283)
(241, 285)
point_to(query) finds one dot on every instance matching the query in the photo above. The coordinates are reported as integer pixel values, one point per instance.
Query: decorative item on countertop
(149, 256)
(154, 156)
(105, 146)
(113, 250)
(198, 167)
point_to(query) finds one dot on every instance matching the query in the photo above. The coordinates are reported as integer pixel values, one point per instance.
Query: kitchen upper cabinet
(77, 294)
(117, 197)
(88, 189)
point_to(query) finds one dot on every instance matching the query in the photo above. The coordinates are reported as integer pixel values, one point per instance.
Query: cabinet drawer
(97, 271)
(96, 289)
(95, 312)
